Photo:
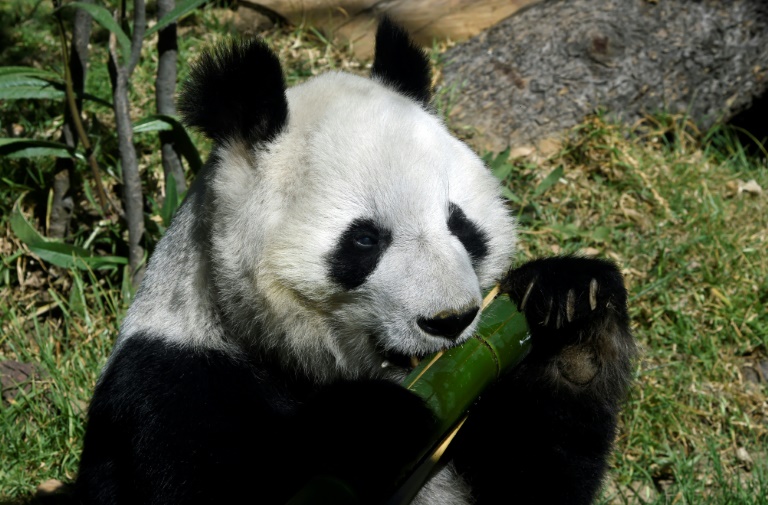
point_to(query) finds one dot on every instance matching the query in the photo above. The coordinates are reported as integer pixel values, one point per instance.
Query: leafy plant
(124, 46)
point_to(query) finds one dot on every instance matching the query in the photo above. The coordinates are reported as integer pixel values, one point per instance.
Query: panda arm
(552, 421)
(363, 432)
(172, 425)
(169, 424)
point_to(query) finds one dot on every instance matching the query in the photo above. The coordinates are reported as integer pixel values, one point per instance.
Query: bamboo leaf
(30, 83)
(30, 148)
(181, 139)
(501, 168)
(96, 99)
(182, 9)
(171, 202)
(567, 231)
(151, 124)
(325, 489)
(22, 229)
(16, 80)
(31, 90)
(102, 16)
(57, 253)
(29, 71)
(68, 256)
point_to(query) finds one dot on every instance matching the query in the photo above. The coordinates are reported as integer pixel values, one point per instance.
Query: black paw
(334, 433)
(566, 293)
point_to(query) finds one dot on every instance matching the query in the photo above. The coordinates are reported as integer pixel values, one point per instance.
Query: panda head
(348, 230)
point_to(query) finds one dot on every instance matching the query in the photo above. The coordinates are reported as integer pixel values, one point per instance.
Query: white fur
(446, 487)
(244, 263)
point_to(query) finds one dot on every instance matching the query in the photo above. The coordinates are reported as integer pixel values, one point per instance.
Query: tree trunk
(164, 91)
(543, 69)
(63, 203)
(133, 196)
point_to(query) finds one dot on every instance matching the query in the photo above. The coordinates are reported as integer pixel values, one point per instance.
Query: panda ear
(400, 63)
(236, 91)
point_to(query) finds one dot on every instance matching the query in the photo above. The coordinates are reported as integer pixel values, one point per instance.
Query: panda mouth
(392, 358)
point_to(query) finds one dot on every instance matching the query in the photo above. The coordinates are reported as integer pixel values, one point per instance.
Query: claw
(525, 296)
(570, 305)
(549, 312)
(593, 294)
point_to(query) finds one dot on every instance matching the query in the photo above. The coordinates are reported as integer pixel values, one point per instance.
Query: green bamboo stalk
(449, 382)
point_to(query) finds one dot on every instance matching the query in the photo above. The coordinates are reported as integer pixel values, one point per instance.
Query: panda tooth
(414, 361)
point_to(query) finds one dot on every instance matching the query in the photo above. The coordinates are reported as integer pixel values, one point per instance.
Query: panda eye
(357, 252)
(365, 240)
(471, 237)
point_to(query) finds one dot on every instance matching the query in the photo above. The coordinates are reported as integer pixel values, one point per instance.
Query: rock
(16, 376)
(744, 458)
(49, 487)
(544, 69)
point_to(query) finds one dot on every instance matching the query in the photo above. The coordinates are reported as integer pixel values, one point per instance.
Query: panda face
(387, 232)
(356, 231)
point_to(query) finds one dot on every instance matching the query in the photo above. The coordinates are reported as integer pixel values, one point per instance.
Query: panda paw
(576, 310)
(567, 295)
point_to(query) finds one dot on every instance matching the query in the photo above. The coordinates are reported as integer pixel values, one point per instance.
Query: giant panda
(337, 230)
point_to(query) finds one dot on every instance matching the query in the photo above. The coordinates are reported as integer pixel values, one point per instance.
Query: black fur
(236, 91)
(449, 326)
(557, 433)
(551, 279)
(171, 425)
(400, 63)
(353, 261)
(472, 238)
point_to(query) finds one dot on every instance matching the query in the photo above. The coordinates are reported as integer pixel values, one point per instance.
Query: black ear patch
(471, 237)
(400, 63)
(236, 91)
(357, 252)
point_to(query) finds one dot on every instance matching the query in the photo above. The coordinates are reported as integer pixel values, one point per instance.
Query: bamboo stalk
(449, 382)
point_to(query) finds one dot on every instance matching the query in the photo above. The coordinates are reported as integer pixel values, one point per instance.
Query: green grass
(662, 200)
(68, 338)
(692, 249)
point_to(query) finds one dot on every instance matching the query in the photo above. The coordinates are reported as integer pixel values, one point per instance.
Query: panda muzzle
(448, 324)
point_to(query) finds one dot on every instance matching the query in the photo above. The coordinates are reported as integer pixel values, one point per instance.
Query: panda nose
(448, 325)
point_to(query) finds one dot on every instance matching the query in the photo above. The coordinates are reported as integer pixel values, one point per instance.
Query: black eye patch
(471, 237)
(357, 252)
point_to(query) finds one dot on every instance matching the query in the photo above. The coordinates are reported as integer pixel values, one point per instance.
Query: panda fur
(337, 229)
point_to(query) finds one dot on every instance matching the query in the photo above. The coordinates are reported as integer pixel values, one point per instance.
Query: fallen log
(354, 21)
(545, 68)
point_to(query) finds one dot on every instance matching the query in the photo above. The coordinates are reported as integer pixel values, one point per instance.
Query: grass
(41, 426)
(692, 250)
(662, 199)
